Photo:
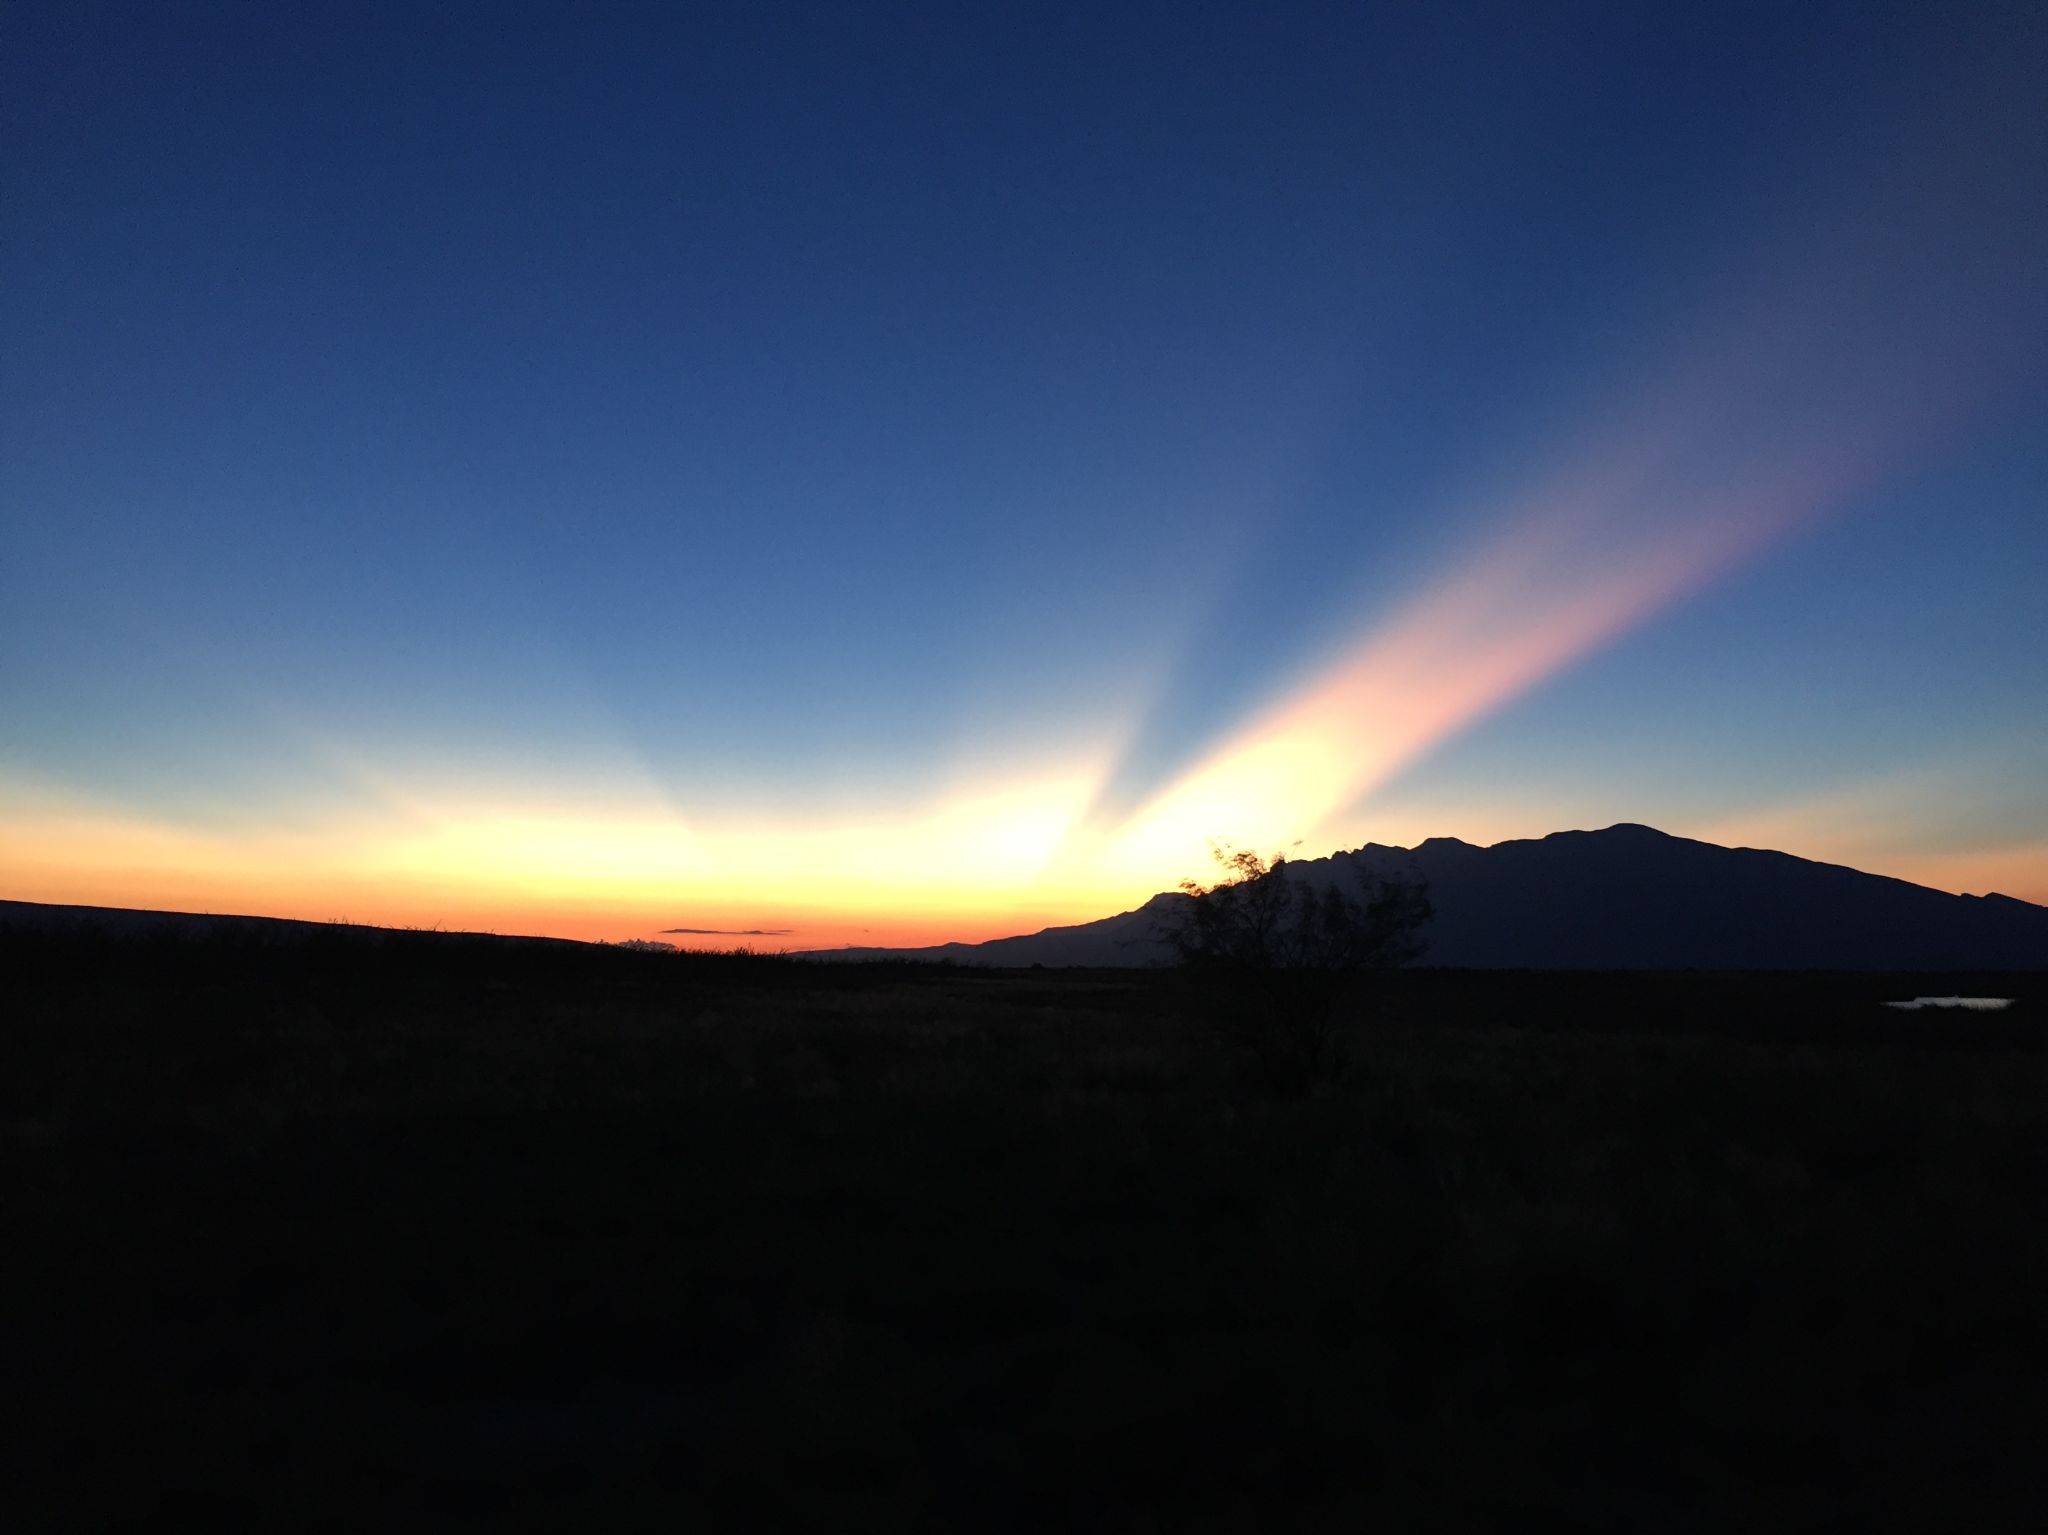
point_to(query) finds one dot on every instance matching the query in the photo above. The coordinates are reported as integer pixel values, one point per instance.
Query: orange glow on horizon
(962, 873)
(999, 853)
(607, 879)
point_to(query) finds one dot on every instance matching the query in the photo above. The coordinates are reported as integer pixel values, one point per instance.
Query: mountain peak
(1626, 897)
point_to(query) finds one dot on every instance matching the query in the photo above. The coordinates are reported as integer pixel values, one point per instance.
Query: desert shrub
(1290, 957)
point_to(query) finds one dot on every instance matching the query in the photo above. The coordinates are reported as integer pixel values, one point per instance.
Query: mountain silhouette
(1626, 898)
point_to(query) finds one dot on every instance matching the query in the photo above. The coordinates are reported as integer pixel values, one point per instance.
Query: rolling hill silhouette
(1626, 898)
(127, 923)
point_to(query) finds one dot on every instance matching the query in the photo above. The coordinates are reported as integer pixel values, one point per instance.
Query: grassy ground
(322, 1233)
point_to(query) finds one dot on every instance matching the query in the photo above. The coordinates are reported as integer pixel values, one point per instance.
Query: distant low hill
(123, 922)
(1626, 898)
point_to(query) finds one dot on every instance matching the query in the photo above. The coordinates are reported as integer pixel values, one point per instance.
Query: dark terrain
(337, 1227)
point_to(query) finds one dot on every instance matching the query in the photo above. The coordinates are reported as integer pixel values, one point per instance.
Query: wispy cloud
(731, 932)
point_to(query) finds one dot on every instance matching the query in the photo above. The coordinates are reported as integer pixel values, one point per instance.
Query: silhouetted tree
(1291, 949)
(1264, 919)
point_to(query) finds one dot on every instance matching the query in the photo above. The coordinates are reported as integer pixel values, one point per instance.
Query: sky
(809, 474)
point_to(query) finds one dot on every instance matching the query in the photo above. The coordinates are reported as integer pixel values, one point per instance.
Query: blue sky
(771, 425)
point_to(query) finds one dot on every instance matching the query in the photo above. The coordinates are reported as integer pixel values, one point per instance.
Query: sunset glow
(664, 550)
(1018, 766)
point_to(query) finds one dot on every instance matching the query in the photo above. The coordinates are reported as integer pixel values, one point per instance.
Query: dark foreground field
(334, 1231)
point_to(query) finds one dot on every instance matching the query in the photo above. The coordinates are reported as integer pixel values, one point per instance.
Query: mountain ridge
(1624, 897)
